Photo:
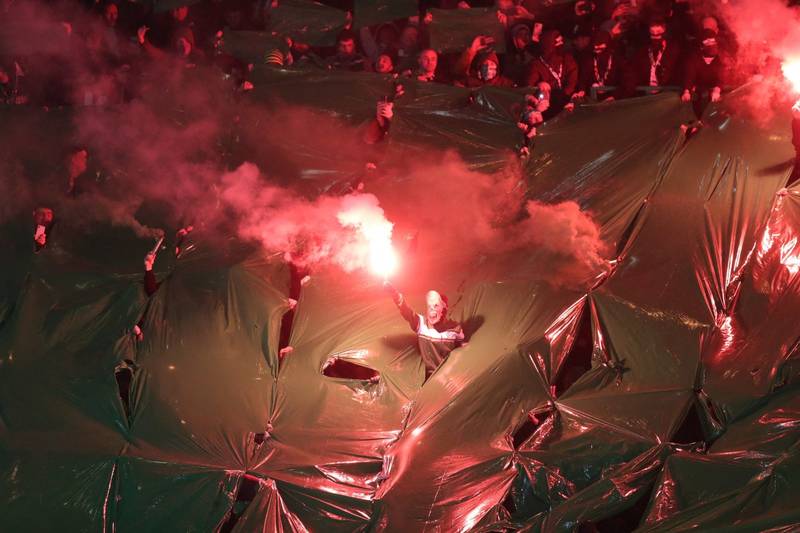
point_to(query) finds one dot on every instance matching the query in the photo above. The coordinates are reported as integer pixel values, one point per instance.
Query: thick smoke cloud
(279, 175)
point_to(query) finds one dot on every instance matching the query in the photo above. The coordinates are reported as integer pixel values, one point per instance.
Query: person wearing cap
(704, 74)
(437, 335)
(557, 68)
(517, 59)
(478, 65)
(603, 67)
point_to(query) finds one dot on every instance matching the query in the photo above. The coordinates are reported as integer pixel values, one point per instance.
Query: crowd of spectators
(567, 52)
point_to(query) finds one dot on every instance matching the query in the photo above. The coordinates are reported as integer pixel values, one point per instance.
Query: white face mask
(435, 307)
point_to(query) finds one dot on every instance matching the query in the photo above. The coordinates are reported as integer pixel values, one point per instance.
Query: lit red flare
(791, 71)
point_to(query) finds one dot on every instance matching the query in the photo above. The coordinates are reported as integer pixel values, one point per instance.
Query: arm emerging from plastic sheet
(405, 310)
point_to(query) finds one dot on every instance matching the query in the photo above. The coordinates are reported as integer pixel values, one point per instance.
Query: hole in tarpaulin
(123, 373)
(245, 494)
(296, 275)
(526, 429)
(336, 367)
(626, 520)
(691, 429)
(579, 359)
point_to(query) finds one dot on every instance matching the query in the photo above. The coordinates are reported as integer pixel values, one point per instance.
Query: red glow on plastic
(790, 256)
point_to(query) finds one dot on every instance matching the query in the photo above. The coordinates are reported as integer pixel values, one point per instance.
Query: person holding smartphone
(479, 66)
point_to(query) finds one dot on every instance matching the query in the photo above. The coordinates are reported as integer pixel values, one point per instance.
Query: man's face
(43, 216)
(435, 308)
(346, 47)
(111, 14)
(582, 42)
(408, 39)
(600, 48)
(657, 33)
(522, 36)
(384, 64)
(386, 37)
(488, 70)
(180, 13)
(428, 61)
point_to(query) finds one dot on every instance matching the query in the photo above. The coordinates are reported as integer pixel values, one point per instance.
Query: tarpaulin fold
(693, 324)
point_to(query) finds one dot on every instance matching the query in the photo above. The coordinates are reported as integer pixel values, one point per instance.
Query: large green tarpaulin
(685, 415)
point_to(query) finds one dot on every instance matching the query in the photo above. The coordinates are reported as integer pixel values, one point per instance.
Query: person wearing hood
(479, 66)
(557, 68)
(655, 65)
(517, 59)
(437, 335)
(383, 42)
(704, 74)
(603, 67)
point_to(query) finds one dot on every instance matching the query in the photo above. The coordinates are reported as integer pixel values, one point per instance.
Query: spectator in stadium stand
(558, 69)
(12, 83)
(517, 59)
(150, 283)
(510, 13)
(76, 164)
(110, 19)
(378, 128)
(347, 56)
(704, 74)
(408, 46)
(437, 335)
(725, 41)
(43, 221)
(478, 65)
(427, 62)
(385, 64)
(603, 67)
(183, 46)
(383, 42)
(655, 65)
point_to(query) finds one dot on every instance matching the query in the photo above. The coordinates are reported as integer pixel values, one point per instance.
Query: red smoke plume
(344, 230)
(175, 143)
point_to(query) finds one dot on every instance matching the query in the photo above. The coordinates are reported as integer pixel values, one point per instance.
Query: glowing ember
(791, 71)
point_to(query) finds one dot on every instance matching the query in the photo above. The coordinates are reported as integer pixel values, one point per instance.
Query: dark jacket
(606, 69)
(558, 69)
(666, 65)
(702, 76)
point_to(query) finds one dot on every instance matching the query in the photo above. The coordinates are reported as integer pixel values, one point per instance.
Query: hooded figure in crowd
(437, 335)
(479, 66)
